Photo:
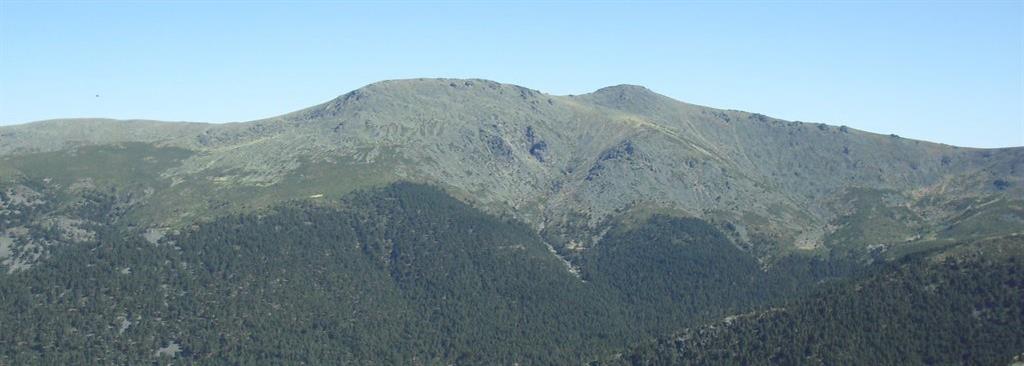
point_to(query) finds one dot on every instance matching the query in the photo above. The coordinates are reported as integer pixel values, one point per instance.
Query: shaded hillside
(953, 307)
(403, 275)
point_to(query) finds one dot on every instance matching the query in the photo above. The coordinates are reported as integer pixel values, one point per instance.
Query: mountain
(468, 221)
(565, 165)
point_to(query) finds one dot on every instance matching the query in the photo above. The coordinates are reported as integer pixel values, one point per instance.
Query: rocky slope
(568, 166)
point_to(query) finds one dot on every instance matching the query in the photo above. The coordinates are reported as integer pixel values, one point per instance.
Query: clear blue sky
(950, 72)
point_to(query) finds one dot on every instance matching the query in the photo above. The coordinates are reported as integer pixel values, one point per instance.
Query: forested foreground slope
(963, 307)
(407, 275)
(404, 274)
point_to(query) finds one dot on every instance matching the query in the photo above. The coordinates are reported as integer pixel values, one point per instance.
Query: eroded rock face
(501, 149)
(623, 151)
(538, 148)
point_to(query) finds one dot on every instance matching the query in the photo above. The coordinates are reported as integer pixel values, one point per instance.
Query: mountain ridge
(566, 165)
(621, 91)
(631, 91)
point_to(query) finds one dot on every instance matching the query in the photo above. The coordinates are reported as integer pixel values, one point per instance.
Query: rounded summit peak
(624, 90)
(399, 93)
(430, 83)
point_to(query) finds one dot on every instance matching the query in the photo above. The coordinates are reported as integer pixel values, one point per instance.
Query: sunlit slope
(569, 166)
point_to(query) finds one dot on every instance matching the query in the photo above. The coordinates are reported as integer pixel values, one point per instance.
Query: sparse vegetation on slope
(558, 163)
